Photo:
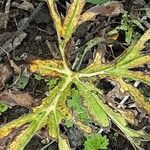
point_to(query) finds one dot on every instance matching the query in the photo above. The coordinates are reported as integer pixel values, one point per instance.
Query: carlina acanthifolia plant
(55, 110)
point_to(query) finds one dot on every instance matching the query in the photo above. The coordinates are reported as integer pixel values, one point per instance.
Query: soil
(33, 46)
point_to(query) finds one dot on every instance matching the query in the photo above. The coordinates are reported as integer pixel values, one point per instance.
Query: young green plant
(128, 25)
(96, 142)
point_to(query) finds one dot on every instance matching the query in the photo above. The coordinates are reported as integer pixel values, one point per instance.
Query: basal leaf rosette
(53, 109)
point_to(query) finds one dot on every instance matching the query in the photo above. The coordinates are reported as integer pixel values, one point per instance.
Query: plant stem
(88, 75)
(62, 47)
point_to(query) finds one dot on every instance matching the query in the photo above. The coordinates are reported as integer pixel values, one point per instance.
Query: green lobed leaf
(96, 142)
(93, 105)
(75, 103)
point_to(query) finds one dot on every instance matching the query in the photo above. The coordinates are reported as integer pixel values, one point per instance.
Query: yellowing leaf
(52, 68)
(138, 76)
(134, 51)
(63, 144)
(54, 107)
(53, 110)
(128, 115)
(72, 17)
(135, 93)
(56, 18)
(138, 62)
(52, 126)
(20, 141)
(85, 128)
(116, 117)
(8, 128)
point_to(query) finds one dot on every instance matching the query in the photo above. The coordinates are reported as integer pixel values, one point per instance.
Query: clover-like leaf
(95, 142)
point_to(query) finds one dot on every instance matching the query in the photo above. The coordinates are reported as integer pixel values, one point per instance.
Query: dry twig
(7, 8)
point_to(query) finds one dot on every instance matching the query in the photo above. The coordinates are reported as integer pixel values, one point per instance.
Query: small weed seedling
(3, 107)
(57, 107)
(96, 142)
(128, 25)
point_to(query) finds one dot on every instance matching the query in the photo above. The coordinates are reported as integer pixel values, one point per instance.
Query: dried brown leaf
(23, 99)
(25, 5)
(109, 9)
(5, 73)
